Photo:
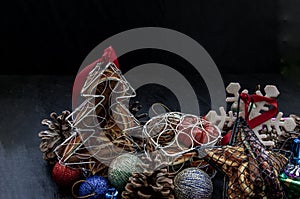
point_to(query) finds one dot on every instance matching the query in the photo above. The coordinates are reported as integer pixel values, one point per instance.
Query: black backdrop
(54, 37)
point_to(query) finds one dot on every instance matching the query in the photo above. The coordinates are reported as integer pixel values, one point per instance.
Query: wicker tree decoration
(104, 126)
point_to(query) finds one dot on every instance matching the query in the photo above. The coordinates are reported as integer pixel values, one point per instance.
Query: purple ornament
(292, 170)
(93, 187)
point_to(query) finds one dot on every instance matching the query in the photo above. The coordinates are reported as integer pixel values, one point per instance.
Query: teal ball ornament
(121, 169)
(193, 183)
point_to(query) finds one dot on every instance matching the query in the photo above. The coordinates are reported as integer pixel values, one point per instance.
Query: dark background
(43, 43)
(54, 37)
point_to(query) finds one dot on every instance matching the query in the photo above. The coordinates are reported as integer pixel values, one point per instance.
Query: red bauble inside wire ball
(65, 176)
(194, 131)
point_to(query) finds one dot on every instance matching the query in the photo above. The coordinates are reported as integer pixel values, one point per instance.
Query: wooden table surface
(26, 100)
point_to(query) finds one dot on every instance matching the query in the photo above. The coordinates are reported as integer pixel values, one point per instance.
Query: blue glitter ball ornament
(93, 187)
(192, 183)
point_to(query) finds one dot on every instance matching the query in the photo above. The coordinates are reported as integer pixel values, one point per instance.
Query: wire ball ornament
(103, 125)
(176, 133)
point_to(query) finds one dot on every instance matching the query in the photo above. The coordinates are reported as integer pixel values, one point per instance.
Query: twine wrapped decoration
(121, 169)
(193, 183)
(252, 171)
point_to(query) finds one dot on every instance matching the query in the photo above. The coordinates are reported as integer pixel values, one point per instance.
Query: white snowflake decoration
(277, 123)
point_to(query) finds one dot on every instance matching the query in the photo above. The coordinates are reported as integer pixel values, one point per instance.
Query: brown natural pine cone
(59, 129)
(154, 182)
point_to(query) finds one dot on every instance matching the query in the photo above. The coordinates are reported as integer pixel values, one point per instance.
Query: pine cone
(154, 182)
(59, 129)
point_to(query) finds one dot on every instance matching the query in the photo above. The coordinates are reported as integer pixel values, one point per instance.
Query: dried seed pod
(154, 181)
(59, 129)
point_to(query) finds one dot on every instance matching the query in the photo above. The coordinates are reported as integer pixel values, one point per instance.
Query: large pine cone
(59, 129)
(154, 182)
